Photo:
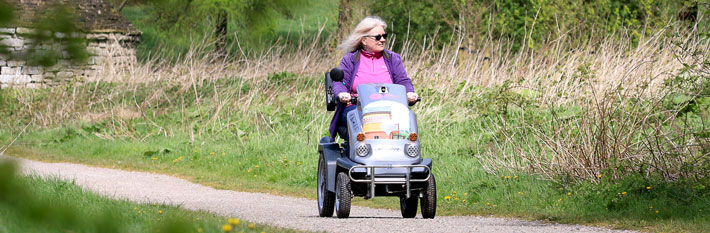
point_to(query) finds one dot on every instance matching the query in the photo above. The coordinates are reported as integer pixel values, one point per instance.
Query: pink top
(372, 70)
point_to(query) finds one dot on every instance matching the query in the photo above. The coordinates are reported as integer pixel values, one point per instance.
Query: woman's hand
(344, 97)
(412, 97)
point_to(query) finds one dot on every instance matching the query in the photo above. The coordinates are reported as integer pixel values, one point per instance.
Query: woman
(366, 61)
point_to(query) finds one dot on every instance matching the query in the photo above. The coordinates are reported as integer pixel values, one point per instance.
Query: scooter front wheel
(428, 199)
(342, 196)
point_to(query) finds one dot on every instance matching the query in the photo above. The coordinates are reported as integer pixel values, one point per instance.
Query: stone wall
(107, 49)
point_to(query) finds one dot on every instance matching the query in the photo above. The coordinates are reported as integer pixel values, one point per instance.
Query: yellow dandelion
(160, 211)
(454, 192)
(251, 226)
(488, 203)
(211, 153)
(254, 176)
(233, 221)
(447, 197)
(199, 230)
(515, 177)
(257, 166)
(648, 187)
(154, 158)
(599, 176)
(623, 193)
(465, 194)
(569, 194)
(656, 211)
(463, 200)
(456, 199)
(299, 163)
(195, 150)
(249, 171)
(226, 228)
(507, 177)
(520, 193)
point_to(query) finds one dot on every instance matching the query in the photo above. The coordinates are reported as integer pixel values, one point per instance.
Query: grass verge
(33, 204)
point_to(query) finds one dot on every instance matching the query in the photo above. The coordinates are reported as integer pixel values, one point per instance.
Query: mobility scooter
(383, 157)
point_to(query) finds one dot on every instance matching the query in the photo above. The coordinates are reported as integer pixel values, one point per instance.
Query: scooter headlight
(412, 150)
(362, 150)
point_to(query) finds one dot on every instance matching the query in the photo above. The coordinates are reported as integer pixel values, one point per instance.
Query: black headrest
(336, 74)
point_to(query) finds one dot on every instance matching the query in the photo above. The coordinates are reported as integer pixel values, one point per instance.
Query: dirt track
(288, 212)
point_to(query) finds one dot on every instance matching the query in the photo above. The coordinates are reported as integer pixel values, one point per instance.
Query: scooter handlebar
(416, 101)
(353, 101)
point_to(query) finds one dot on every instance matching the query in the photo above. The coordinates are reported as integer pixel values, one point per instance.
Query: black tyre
(326, 199)
(342, 196)
(408, 206)
(428, 199)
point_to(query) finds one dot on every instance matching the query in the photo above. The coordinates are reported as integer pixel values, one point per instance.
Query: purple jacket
(350, 64)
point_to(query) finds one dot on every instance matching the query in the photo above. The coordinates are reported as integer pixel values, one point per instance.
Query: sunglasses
(378, 37)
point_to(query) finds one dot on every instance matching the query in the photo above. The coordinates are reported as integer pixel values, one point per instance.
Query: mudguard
(331, 152)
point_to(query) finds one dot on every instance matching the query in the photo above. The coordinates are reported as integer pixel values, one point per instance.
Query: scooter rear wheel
(326, 199)
(408, 206)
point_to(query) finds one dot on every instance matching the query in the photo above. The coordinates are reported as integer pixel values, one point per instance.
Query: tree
(253, 19)
(345, 14)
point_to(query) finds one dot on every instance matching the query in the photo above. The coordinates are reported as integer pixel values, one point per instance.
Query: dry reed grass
(622, 126)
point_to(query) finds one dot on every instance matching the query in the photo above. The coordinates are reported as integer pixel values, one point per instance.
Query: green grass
(33, 204)
(271, 148)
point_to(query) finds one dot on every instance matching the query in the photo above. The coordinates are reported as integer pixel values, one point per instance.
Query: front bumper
(388, 174)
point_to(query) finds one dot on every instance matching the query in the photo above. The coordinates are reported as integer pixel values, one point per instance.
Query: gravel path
(288, 212)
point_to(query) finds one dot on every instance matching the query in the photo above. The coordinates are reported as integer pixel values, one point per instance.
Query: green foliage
(54, 35)
(527, 23)
(181, 23)
(58, 29)
(6, 16)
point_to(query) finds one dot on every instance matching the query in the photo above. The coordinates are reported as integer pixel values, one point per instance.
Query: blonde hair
(353, 41)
